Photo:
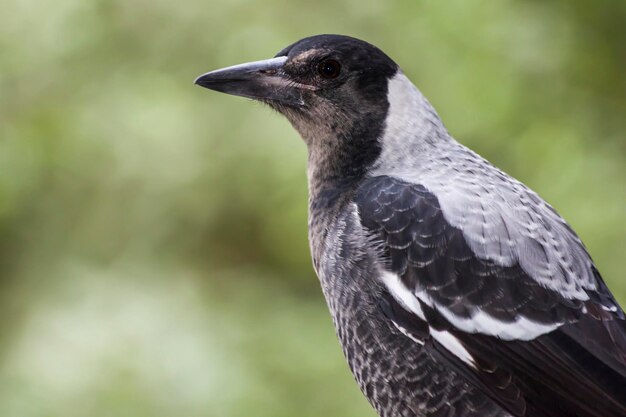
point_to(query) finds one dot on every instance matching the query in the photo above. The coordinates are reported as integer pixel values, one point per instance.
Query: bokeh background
(153, 253)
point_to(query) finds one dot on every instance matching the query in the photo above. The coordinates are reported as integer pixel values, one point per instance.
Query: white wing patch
(407, 334)
(401, 294)
(453, 345)
(408, 301)
(480, 322)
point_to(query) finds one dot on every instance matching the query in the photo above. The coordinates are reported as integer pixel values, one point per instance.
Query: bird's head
(335, 90)
(320, 82)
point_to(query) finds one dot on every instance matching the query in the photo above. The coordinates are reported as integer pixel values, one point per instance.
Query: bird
(455, 290)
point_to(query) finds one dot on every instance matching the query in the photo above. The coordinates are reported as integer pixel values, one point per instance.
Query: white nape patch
(453, 345)
(481, 322)
(402, 294)
(410, 122)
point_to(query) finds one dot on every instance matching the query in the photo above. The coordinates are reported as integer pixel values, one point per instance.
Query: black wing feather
(579, 369)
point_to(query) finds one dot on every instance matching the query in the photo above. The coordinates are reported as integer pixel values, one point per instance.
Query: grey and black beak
(262, 80)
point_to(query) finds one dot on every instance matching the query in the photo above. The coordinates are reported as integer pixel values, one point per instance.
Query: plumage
(455, 290)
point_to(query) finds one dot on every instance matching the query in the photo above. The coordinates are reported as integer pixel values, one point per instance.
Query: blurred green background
(153, 253)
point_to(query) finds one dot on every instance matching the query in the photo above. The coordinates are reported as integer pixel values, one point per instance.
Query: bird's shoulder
(482, 250)
(501, 220)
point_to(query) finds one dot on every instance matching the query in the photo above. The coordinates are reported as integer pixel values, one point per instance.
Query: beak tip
(198, 81)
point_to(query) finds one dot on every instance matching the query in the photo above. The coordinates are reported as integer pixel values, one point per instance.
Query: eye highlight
(329, 68)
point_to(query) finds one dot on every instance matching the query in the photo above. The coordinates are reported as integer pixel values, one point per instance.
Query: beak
(261, 80)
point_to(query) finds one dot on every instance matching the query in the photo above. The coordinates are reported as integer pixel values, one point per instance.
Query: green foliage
(153, 253)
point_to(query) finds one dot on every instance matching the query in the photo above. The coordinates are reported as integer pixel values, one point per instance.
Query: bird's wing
(504, 324)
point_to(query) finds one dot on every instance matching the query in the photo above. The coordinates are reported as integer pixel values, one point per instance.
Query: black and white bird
(455, 290)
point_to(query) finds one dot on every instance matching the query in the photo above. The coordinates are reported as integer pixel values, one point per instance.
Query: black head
(332, 88)
(343, 71)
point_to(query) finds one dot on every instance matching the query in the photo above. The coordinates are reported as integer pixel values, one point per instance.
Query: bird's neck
(331, 182)
(405, 135)
(340, 153)
(331, 187)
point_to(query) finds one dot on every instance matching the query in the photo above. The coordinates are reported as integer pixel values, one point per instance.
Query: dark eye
(329, 68)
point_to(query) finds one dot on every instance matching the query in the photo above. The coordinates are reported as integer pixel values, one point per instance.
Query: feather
(534, 350)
